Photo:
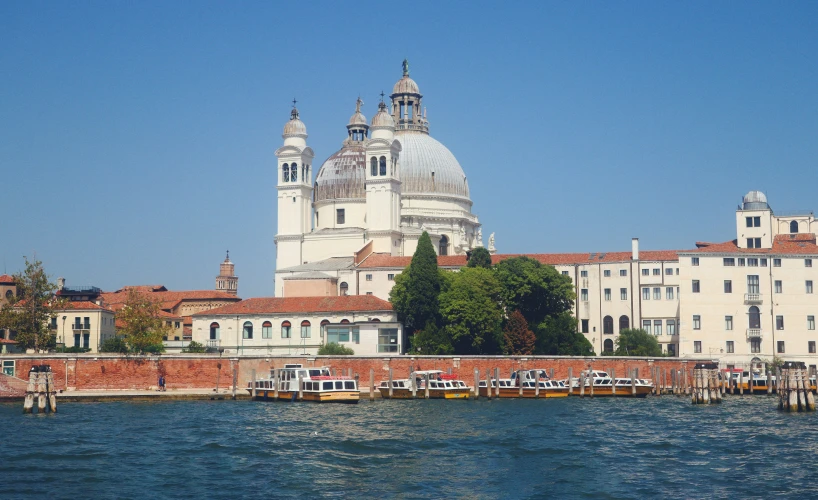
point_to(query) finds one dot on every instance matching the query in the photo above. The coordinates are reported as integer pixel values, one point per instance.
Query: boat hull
(349, 397)
(528, 392)
(403, 393)
(621, 392)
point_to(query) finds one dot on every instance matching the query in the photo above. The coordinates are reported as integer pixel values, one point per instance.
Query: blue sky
(137, 139)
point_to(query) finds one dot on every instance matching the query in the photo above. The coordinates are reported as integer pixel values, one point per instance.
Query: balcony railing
(753, 298)
(213, 343)
(754, 333)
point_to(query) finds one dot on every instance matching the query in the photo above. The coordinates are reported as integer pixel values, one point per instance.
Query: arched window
(344, 288)
(376, 320)
(383, 165)
(9, 294)
(373, 166)
(286, 330)
(285, 173)
(607, 325)
(344, 321)
(794, 226)
(266, 330)
(754, 317)
(608, 345)
(624, 323)
(444, 245)
(305, 329)
(214, 331)
(247, 331)
(294, 172)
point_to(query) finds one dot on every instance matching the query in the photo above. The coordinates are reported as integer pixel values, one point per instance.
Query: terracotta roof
(781, 246)
(83, 305)
(4, 341)
(379, 260)
(187, 320)
(807, 237)
(187, 331)
(167, 299)
(293, 305)
(5, 279)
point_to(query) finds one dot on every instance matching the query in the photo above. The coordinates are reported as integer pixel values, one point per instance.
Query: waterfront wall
(191, 371)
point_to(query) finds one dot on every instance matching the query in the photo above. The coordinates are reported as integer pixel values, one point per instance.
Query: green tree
(195, 347)
(557, 335)
(416, 290)
(114, 344)
(142, 327)
(29, 312)
(519, 339)
(335, 349)
(536, 290)
(480, 257)
(471, 312)
(637, 342)
(431, 340)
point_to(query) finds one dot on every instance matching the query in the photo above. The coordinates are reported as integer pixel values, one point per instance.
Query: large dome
(342, 175)
(421, 157)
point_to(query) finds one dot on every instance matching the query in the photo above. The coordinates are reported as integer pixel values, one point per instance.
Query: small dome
(383, 118)
(342, 175)
(357, 118)
(755, 197)
(406, 86)
(295, 126)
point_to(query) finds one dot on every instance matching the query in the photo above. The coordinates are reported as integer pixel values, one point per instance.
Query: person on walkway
(162, 383)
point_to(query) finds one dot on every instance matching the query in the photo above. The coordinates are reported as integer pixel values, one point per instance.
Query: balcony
(753, 333)
(213, 343)
(753, 298)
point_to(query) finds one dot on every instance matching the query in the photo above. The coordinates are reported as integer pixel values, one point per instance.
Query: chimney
(634, 248)
(60, 283)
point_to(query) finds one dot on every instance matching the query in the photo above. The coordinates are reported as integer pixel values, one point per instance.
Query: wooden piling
(613, 381)
(633, 382)
(591, 381)
(570, 381)
(497, 379)
(235, 378)
(276, 383)
(520, 382)
(371, 384)
(300, 388)
(253, 382)
(488, 384)
(51, 391)
(41, 399)
(413, 383)
(536, 384)
(476, 393)
(390, 384)
(582, 384)
(426, 387)
(751, 384)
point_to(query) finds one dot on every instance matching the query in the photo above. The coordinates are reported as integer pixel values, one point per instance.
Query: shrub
(333, 349)
(114, 344)
(154, 349)
(76, 349)
(196, 347)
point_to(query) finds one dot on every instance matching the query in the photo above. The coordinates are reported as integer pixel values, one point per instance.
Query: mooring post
(413, 384)
(426, 387)
(582, 384)
(537, 384)
(235, 378)
(476, 394)
(488, 384)
(253, 387)
(752, 377)
(613, 381)
(570, 381)
(769, 376)
(633, 382)
(41, 392)
(300, 388)
(777, 379)
(520, 382)
(497, 379)
(687, 381)
(591, 381)
(741, 383)
(51, 390)
(371, 384)
(390, 384)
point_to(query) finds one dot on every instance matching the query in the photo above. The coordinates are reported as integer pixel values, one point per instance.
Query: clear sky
(137, 139)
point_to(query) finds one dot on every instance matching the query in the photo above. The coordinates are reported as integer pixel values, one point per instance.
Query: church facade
(389, 182)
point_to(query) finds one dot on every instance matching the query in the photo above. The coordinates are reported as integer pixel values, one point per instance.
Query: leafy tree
(142, 328)
(557, 335)
(519, 339)
(114, 344)
(28, 313)
(335, 349)
(637, 342)
(415, 294)
(431, 340)
(195, 347)
(537, 291)
(480, 257)
(471, 312)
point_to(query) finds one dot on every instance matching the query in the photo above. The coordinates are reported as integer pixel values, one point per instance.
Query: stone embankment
(190, 372)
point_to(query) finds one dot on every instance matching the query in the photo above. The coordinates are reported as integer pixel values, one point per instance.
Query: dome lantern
(406, 104)
(357, 126)
(755, 200)
(295, 132)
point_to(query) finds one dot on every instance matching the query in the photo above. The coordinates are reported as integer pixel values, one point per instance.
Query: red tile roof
(295, 305)
(380, 260)
(83, 305)
(5, 279)
(781, 246)
(4, 341)
(167, 299)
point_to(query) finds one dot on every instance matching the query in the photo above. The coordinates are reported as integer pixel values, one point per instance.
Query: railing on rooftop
(794, 213)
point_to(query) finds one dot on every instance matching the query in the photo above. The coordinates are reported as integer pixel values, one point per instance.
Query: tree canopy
(518, 338)
(416, 290)
(28, 313)
(557, 335)
(637, 342)
(431, 340)
(471, 312)
(142, 326)
(537, 291)
(480, 257)
(334, 349)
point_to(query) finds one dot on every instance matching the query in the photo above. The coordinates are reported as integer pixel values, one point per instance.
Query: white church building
(389, 182)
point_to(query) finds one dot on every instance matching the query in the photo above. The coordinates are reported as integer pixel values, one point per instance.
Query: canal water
(558, 448)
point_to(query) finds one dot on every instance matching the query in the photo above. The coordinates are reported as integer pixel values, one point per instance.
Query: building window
(794, 226)
(373, 166)
(623, 272)
(623, 293)
(247, 330)
(607, 325)
(756, 221)
(752, 262)
(390, 277)
(696, 286)
(8, 367)
(266, 330)
(657, 272)
(368, 277)
(810, 322)
(606, 273)
(583, 294)
(583, 274)
(729, 347)
(752, 283)
(671, 327)
(305, 329)
(645, 272)
(657, 327)
(809, 286)
(624, 323)
(669, 293)
(776, 262)
(728, 286)
(344, 288)
(607, 294)
(750, 243)
(387, 340)
(565, 273)
(657, 294)
(729, 261)
(669, 271)
(383, 165)
(369, 293)
(780, 347)
(646, 325)
(728, 323)
(608, 345)
(214, 331)
(754, 317)
(285, 172)
(444, 245)
(807, 262)
(749, 221)
(584, 326)
(286, 330)
(697, 346)
(175, 325)
(779, 322)
(340, 216)
(646, 294)
(755, 346)
(694, 261)
(338, 334)
(763, 262)
(779, 287)
(811, 345)
(671, 349)
(741, 262)
(697, 322)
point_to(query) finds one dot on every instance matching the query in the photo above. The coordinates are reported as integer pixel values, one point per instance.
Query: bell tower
(227, 281)
(383, 185)
(294, 187)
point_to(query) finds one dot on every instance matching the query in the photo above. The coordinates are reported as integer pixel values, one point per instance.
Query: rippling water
(565, 448)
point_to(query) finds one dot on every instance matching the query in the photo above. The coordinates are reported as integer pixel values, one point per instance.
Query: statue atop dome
(405, 67)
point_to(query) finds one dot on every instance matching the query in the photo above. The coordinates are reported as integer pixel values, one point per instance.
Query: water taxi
(320, 386)
(441, 386)
(510, 387)
(740, 380)
(604, 384)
